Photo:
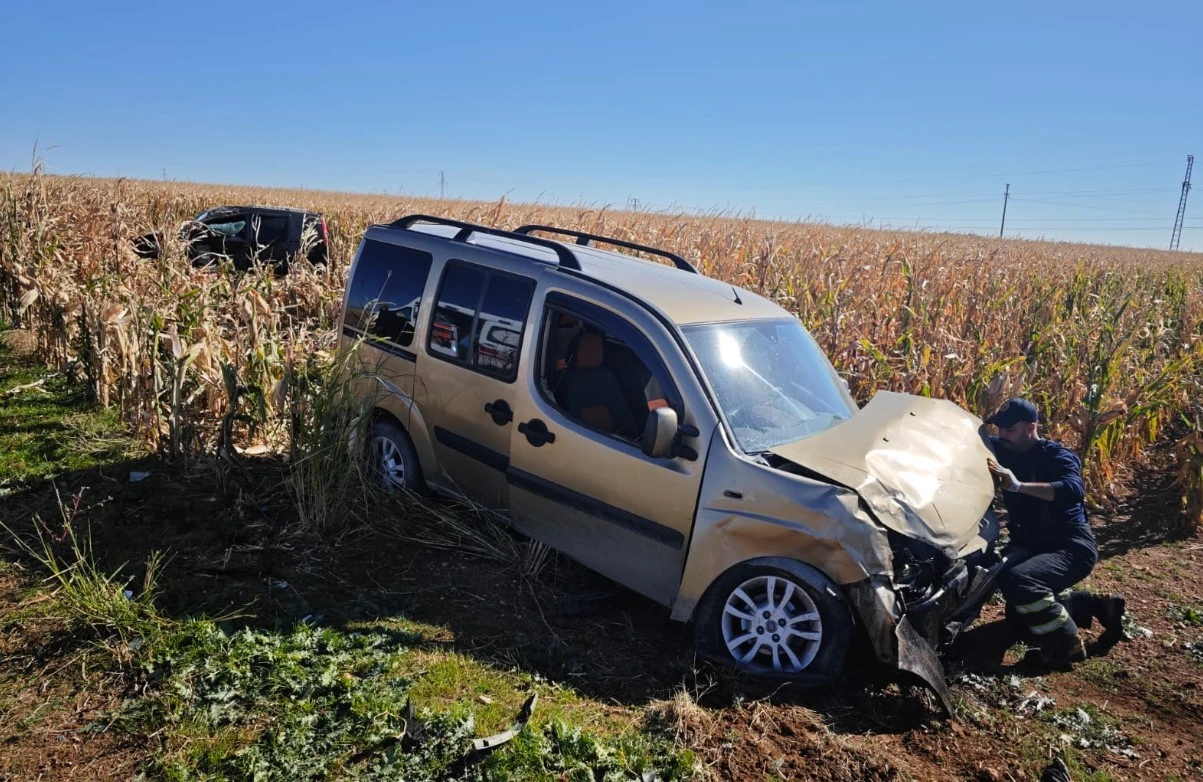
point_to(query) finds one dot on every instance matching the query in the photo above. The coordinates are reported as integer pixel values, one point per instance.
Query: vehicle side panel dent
(748, 510)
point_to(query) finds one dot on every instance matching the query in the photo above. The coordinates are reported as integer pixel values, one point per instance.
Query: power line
(1079, 206)
(1009, 174)
(1145, 191)
(1124, 228)
(904, 181)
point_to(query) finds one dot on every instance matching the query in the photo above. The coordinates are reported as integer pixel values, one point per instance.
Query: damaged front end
(917, 614)
(919, 467)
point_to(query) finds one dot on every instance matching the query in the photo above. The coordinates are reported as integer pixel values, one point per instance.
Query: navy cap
(1014, 411)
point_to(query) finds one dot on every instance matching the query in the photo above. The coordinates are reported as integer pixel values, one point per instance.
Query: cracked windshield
(773, 383)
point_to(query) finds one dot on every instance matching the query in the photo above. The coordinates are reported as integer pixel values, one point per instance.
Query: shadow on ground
(232, 548)
(1151, 516)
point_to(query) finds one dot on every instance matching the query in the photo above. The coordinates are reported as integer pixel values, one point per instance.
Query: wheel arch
(808, 574)
(384, 414)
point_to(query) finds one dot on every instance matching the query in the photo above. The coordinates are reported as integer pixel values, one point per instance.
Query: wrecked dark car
(247, 235)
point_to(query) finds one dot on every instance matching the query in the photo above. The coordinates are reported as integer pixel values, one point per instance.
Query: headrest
(589, 350)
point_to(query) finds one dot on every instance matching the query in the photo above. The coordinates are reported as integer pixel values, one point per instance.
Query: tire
(391, 454)
(802, 600)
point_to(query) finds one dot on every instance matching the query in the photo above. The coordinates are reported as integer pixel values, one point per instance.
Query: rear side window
(385, 296)
(479, 319)
(269, 228)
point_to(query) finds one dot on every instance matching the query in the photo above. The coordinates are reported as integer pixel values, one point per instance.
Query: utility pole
(1177, 235)
(442, 184)
(1006, 197)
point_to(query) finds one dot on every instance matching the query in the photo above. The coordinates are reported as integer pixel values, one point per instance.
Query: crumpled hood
(919, 464)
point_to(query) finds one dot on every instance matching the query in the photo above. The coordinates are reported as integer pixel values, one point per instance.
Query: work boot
(1109, 610)
(1058, 659)
(1058, 650)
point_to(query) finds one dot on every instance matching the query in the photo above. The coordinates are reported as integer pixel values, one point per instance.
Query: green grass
(1104, 673)
(52, 427)
(314, 703)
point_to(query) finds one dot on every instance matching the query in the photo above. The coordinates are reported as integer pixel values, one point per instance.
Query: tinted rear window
(385, 296)
(479, 319)
(269, 228)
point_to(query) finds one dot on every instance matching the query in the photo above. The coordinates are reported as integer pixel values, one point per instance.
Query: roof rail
(583, 239)
(567, 259)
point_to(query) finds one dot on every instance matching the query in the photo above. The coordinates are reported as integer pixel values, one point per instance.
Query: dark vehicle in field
(247, 235)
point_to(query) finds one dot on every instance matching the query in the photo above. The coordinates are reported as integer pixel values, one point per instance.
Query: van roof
(683, 296)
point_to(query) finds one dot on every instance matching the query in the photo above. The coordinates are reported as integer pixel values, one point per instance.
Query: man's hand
(1003, 478)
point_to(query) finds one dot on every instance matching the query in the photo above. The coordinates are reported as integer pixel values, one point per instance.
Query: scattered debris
(524, 715)
(1184, 615)
(1083, 731)
(1005, 692)
(35, 385)
(137, 476)
(1194, 650)
(1034, 703)
(1133, 630)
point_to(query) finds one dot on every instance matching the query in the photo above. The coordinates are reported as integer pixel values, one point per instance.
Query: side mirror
(660, 433)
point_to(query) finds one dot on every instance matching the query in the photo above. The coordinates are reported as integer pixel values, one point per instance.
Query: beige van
(683, 437)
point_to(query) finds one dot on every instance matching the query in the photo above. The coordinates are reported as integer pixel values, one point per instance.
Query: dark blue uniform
(1058, 536)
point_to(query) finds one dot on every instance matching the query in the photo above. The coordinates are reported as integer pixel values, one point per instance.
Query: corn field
(1108, 341)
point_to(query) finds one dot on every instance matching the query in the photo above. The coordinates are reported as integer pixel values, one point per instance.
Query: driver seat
(592, 394)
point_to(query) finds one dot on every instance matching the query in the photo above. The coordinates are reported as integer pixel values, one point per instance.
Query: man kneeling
(1043, 491)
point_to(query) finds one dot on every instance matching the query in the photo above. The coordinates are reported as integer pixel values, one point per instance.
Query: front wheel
(768, 621)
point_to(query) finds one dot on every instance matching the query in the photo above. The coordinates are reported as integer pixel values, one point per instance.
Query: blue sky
(915, 114)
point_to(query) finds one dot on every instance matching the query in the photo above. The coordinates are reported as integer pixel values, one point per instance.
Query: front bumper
(910, 638)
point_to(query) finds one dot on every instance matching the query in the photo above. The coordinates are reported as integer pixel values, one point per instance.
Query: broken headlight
(919, 568)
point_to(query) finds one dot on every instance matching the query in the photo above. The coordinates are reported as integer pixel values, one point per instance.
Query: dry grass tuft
(682, 718)
(19, 342)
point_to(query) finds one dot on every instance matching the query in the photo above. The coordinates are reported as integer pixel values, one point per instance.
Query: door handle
(500, 412)
(536, 432)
